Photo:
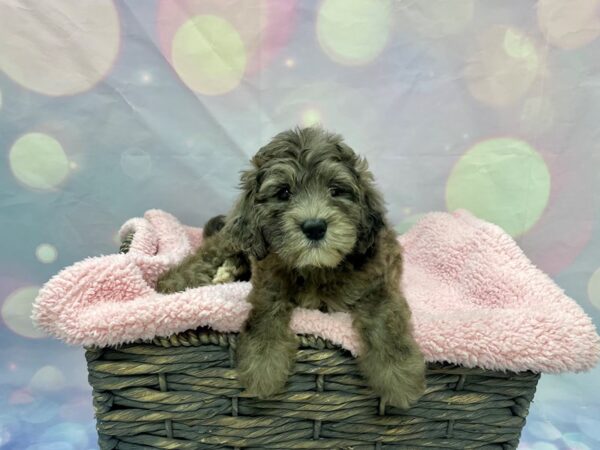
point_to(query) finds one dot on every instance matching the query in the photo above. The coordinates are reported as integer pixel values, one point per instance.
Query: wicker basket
(182, 392)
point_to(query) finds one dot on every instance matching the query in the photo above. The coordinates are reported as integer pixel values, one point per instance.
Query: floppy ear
(242, 223)
(373, 209)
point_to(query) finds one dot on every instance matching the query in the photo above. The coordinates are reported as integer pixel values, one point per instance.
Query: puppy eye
(283, 194)
(337, 191)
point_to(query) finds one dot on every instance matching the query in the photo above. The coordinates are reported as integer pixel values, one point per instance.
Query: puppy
(219, 260)
(312, 227)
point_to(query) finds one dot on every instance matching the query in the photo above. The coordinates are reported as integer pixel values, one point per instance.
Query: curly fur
(312, 174)
(219, 260)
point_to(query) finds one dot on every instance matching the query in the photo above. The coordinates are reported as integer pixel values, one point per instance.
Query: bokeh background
(108, 109)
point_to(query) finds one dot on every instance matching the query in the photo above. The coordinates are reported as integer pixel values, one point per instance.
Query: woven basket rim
(208, 336)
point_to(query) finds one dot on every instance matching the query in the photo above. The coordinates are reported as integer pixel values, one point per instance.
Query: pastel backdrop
(108, 109)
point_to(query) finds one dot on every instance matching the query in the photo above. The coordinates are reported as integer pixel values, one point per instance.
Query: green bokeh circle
(354, 32)
(209, 55)
(504, 181)
(594, 289)
(46, 253)
(17, 309)
(38, 161)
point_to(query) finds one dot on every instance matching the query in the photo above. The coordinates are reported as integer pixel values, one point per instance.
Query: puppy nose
(314, 229)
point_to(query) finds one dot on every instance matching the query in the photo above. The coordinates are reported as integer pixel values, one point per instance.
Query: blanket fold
(476, 298)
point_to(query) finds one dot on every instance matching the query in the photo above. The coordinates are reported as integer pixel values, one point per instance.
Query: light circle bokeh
(501, 180)
(46, 253)
(264, 26)
(209, 55)
(63, 47)
(593, 289)
(47, 379)
(569, 25)
(16, 312)
(321, 102)
(503, 66)
(311, 116)
(354, 32)
(38, 161)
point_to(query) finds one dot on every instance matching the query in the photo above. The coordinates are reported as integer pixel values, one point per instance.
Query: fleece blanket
(476, 298)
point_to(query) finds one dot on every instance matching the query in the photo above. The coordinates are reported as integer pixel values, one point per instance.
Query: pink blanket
(476, 298)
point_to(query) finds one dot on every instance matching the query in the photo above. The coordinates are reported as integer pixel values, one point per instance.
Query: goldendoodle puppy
(312, 226)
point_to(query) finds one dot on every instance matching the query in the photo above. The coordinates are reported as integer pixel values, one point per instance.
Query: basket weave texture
(182, 392)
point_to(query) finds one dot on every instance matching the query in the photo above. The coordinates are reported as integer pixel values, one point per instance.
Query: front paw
(404, 396)
(398, 383)
(225, 273)
(264, 370)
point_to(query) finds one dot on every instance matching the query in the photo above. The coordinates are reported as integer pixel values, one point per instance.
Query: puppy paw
(260, 384)
(225, 273)
(403, 397)
(263, 377)
(264, 372)
(398, 383)
(402, 392)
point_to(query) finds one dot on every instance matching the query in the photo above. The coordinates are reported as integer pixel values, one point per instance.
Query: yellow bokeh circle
(16, 312)
(58, 47)
(209, 55)
(354, 32)
(502, 180)
(594, 289)
(503, 66)
(38, 161)
(46, 253)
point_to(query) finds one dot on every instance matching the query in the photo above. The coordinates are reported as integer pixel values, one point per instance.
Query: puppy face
(309, 210)
(308, 198)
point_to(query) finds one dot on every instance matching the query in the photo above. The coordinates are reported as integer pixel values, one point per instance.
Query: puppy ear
(373, 209)
(242, 224)
(213, 226)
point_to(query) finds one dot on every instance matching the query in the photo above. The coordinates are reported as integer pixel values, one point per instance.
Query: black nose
(314, 229)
